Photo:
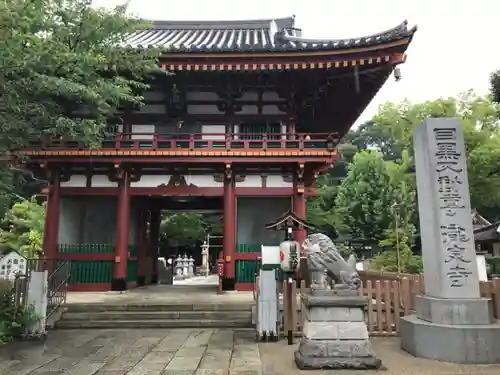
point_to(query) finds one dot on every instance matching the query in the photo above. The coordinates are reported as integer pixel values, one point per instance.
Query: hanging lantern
(289, 256)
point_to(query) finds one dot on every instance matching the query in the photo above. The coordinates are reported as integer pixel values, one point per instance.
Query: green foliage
(65, 69)
(481, 120)
(362, 202)
(495, 86)
(362, 205)
(320, 209)
(14, 319)
(187, 229)
(494, 262)
(398, 238)
(23, 229)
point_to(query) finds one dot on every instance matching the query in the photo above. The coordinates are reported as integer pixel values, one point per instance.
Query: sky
(455, 48)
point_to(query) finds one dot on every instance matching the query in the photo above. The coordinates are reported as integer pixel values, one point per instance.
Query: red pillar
(229, 237)
(142, 256)
(154, 238)
(119, 281)
(51, 228)
(299, 208)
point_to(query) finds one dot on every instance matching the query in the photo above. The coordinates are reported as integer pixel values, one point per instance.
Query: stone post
(37, 299)
(452, 323)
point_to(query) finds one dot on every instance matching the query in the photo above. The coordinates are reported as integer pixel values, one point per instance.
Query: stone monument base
(452, 330)
(324, 355)
(335, 333)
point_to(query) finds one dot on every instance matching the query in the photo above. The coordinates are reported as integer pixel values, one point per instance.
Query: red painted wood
(299, 208)
(195, 159)
(155, 238)
(180, 191)
(244, 287)
(199, 141)
(122, 228)
(141, 242)
(85, 256)
(185, 191)
(247, 256)
(229, 236)
(104, 287)
(89, 287)
(51, 229)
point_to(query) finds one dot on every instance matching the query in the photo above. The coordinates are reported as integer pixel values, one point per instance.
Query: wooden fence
(390, 296)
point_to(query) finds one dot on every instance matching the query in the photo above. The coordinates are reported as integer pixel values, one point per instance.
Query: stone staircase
(80, 316)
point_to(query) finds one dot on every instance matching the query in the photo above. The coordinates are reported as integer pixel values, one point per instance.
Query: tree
(495, 86)
(481, 121)
(64, 69)
(187, 229)
(23, 229)
(320, 209)
(370, 136)
(362, 205)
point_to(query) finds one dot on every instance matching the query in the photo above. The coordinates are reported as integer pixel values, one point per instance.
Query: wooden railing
(204, 141)
(390, 297)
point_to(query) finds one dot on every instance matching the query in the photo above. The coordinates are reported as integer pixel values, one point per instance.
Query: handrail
(58, 286)
(192, 141)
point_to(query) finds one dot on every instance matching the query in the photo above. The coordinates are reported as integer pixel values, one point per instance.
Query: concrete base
(455, 311)
(465, 344)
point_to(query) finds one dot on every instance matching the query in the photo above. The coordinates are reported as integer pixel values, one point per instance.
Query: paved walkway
(189, 352)
(199, 280)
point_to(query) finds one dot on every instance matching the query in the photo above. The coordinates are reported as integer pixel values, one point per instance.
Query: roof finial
(273, 29)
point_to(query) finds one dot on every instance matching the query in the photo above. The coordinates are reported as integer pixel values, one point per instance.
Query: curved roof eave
(217, 38)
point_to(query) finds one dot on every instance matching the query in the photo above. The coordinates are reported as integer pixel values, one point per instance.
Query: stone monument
(178, 268)
(452, 322)
(335, 335)
(190, 266)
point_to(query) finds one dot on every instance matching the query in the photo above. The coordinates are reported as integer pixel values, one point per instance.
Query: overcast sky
(455, 48)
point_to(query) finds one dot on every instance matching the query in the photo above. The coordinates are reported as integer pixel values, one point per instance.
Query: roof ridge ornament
(273, 28)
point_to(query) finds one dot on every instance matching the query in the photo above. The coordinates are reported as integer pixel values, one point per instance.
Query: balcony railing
(205, 141)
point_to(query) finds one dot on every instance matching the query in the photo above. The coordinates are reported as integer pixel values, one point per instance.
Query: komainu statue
(322, 255)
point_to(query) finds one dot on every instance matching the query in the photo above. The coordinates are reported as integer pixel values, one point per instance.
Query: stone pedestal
(335, 335)
(452, 322)
(452, 330)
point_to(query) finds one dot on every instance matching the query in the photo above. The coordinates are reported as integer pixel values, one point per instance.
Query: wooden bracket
(228, 171)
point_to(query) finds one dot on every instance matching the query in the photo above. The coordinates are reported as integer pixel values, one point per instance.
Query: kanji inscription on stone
(445, 213)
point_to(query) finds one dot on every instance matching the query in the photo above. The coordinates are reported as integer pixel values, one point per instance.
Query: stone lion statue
(323, 255)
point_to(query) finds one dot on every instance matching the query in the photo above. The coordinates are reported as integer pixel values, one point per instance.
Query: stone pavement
(189, 352)
(199, 280)
(162, 294)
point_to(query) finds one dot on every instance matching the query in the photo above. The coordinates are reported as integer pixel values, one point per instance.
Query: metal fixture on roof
(397, 74)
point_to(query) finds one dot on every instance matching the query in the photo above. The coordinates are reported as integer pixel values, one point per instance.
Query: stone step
(158, 307)
(160, 323)
(158, 315)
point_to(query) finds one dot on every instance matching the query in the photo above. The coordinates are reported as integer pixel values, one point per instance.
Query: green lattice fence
(248, 248)
(91, 271)
(96, 271)
(85, 249)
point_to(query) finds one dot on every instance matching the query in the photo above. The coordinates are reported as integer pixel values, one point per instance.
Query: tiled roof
(257, 35)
